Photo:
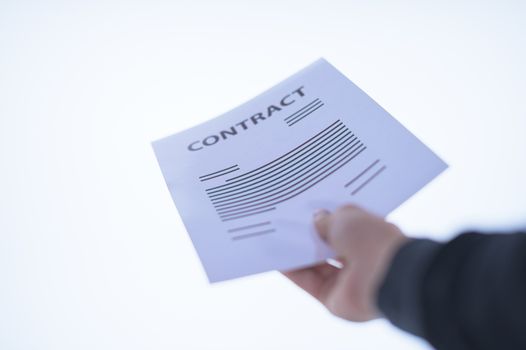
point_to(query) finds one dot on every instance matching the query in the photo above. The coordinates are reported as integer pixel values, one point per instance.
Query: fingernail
(319, 213)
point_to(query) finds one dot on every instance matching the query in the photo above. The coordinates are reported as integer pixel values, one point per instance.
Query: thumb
(322, 223)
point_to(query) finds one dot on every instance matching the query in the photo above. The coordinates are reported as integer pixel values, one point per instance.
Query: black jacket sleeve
(469, 293)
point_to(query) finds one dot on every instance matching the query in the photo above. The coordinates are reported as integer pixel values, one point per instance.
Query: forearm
(468, 293)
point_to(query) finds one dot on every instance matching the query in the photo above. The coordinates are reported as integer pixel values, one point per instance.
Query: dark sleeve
(469, 293)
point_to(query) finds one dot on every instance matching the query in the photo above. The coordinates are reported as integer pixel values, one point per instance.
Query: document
(247, 182)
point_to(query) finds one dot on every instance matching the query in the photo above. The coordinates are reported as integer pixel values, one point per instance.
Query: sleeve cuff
(399, 296)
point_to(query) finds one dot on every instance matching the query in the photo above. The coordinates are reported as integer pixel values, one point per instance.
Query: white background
(92, 252)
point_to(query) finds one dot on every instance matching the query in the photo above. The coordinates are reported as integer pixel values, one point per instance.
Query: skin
(365, 245)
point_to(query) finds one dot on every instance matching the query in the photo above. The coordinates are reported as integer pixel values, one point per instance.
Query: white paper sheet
(247, 182)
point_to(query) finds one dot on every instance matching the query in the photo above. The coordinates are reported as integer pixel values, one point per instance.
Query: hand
(365, 245)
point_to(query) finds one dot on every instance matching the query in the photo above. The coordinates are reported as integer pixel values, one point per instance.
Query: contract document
(247, 182)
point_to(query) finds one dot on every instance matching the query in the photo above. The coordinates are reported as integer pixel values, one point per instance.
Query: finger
(313, 279)
(321, 222)
(326, 270)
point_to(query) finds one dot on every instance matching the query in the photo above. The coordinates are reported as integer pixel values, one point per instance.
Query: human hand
(365, 245)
